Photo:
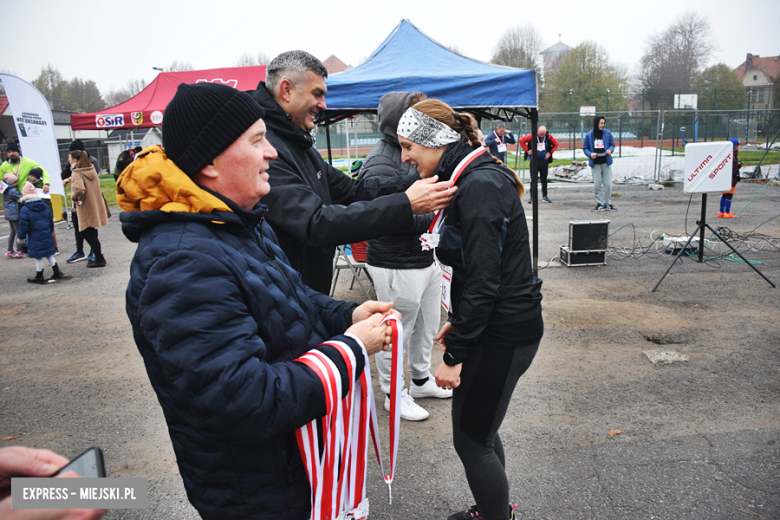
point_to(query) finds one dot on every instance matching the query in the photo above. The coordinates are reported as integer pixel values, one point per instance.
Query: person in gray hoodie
(402, 272)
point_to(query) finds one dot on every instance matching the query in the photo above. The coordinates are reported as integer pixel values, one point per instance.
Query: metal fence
(648, 144)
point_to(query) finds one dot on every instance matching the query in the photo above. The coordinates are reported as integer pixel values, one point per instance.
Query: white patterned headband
(425, 130)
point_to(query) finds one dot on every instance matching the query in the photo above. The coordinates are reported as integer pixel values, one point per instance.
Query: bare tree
(519, 47)
(587, 77)
(674, 58)
(178, 66)
(453, 48)
(133, 87)
(249, 60)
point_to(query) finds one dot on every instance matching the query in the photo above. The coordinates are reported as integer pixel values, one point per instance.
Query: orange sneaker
(721, 214)
(730, 215)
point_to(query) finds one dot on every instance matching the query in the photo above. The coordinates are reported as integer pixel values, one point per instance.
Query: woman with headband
(495, 315)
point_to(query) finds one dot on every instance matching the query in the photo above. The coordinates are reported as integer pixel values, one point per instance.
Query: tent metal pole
(327, 136)
(534, 113)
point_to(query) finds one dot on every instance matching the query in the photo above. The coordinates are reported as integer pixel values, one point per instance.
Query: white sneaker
(429, 389)
(410, 410)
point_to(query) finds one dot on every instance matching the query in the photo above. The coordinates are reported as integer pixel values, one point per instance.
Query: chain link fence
(649, 145)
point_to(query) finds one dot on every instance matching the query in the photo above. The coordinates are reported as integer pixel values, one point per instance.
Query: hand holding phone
(89, 464)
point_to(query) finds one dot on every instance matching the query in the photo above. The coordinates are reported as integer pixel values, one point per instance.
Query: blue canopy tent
(408, 60)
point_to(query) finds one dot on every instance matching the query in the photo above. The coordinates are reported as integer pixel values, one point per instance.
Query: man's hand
(371, 307)
(427, 195)
(18, 461)
(443, 332)
(46, 188)
(448, 377)
(374, 336)
(548, 155)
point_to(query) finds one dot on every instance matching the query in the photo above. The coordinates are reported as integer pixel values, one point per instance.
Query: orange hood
(153, 182)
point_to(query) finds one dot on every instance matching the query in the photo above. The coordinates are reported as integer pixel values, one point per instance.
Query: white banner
(708, 167)
(34, 127)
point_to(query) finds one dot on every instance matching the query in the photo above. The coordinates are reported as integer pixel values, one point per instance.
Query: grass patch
(107, 186)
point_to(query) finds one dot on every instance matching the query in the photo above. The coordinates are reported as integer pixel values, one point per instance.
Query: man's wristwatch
(450, 360)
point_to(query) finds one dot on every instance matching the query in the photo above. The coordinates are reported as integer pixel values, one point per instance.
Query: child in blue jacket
(35, 227)
(11, 198)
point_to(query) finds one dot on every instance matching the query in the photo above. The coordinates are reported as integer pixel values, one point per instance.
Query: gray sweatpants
(416, 294)
(602, 183)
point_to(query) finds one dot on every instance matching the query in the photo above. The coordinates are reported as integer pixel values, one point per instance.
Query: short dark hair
(501, 125)
(292, 65)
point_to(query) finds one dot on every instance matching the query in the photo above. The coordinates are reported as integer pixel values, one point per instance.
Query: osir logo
(157, 117)
(137, 118)
(109, 120)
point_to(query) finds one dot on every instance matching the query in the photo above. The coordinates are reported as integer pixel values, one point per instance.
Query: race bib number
(501, 148)
(599, 143)
(446, 285)
(541, 147)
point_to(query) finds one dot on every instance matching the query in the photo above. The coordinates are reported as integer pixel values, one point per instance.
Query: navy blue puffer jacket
(35, 226)
(220, 316)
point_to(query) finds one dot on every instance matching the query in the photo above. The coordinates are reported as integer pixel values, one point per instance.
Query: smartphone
(89, 464)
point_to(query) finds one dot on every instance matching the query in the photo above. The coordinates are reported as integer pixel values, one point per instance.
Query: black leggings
(543, 171)
(479, 404)
(90, 235)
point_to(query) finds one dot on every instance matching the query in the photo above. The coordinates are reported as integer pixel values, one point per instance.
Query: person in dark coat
(495, 324)
(219, 315)
(11, 196)
(36, 224)
(314, 207)
(402, 271)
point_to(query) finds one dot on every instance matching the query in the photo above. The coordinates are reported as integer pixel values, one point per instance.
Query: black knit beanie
(76, 144)
(204, 119)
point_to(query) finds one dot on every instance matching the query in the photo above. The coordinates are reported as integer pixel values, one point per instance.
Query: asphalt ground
(699, 438)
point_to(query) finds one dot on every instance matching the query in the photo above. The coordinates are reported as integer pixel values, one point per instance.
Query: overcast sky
(112, 42)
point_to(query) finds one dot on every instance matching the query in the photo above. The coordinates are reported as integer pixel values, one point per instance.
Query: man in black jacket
(402, 272)
(314, 207)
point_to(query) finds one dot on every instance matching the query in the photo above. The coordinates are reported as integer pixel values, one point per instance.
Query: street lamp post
(608, 100)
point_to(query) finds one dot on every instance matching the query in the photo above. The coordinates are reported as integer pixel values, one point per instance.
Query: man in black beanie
(219, 315)
(314, 207)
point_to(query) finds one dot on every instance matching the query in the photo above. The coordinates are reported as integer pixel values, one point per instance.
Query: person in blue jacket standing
(497, 140)
(598, 147)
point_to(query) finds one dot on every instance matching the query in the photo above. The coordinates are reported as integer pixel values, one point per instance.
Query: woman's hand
(374, 336)
(440, 336)
(448, 377)
(371, 307)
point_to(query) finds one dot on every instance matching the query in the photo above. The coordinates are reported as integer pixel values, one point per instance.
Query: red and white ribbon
(438, 219)
(338, 475)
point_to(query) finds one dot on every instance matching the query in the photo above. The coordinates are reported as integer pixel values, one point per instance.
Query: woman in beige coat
(89, 203)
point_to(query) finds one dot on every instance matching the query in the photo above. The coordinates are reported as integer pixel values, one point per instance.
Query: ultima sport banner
(35, 129)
